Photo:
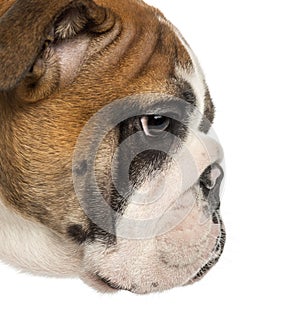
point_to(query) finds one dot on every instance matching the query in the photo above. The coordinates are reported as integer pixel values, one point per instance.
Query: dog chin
(179, 257)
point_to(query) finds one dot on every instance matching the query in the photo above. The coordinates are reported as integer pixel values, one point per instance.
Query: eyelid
(175, 109)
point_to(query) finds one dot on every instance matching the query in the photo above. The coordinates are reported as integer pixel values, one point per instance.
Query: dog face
(106, 168)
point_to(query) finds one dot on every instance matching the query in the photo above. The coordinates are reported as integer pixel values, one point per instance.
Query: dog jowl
(108, 168)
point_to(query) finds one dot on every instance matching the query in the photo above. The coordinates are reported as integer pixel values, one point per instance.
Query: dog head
(104, 115)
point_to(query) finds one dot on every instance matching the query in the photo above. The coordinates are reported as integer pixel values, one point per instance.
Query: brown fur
(40, 121)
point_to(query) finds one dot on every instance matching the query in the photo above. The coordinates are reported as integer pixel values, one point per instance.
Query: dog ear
(30, 25)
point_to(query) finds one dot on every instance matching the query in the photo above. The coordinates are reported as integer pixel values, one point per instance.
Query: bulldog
(108, 169)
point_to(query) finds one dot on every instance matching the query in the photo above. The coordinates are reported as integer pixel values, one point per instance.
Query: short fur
(61, 62)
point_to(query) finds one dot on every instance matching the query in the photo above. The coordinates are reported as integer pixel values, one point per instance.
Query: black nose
(210, 183)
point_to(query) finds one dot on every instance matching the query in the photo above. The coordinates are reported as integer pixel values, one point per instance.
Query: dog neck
(32, 247)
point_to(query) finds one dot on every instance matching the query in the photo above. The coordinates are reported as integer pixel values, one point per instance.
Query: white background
(249, 51)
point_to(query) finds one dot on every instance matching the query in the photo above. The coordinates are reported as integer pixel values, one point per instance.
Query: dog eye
(154, 125)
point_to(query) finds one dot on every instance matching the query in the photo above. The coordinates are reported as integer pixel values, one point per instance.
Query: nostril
(212, 176)
(210, 182)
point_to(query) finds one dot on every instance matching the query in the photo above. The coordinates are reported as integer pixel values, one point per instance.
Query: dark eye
(154, 125)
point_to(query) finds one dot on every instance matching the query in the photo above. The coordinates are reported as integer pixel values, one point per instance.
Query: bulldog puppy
(107, 168)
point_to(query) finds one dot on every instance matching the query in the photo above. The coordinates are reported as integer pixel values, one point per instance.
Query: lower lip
(108, 283)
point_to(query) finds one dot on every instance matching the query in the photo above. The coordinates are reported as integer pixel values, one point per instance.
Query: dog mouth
(102, 284)
(107, 285)
(215, 256)
(216, 253)
(210, 183)
(111, 285)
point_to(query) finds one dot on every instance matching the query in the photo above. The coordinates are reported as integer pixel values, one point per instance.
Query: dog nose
(210, 182)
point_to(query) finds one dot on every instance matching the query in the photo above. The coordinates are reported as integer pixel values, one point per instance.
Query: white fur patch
(32, 247)
(158, 263)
